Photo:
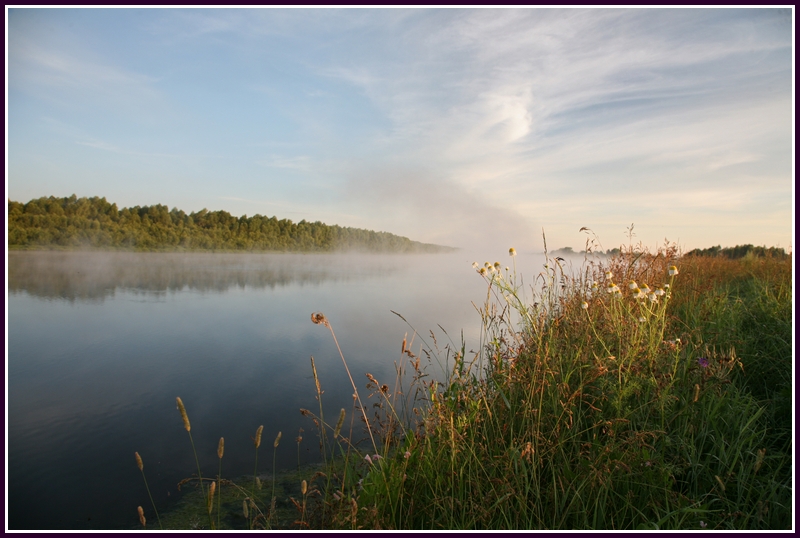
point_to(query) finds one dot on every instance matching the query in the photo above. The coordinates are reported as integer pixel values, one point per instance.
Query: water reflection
(93, 276)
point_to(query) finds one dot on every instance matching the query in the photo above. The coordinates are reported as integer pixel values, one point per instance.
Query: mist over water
(99, 346)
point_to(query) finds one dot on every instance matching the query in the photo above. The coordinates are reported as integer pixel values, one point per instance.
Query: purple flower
(703, 362)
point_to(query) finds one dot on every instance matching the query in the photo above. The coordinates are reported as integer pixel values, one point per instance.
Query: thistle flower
(512, 252)
(139, 461)
(257, 440)
(142, 520)
(184, 416)
(221, 447)
(673, 270)
(703, 362)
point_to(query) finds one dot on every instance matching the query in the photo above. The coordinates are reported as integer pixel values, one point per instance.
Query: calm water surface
(99, 346)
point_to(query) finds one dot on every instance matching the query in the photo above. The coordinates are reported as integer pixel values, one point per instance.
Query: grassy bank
(651, 392)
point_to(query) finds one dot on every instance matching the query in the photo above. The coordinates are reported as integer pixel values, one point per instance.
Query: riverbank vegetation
(649, 391)
(67, 223)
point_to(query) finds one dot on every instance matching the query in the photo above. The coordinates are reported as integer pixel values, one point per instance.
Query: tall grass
(606, 402)
(645, 391)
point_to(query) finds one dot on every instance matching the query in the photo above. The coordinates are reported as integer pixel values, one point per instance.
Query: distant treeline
(739, 251)
(95, 223)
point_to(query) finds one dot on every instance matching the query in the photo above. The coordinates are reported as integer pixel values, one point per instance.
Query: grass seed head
(211, 491)
(339, 424)
(277, 440)
(303, 487)
(184, 416)
(257, 440)
(142, 519)
(139, 461)
(221, 447)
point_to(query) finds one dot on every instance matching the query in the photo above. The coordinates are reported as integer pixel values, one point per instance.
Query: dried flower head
(221, 447)
(139, 461)
(319, 319)
(184, 416)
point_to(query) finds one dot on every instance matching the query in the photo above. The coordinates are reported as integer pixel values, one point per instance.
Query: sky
(476, 128)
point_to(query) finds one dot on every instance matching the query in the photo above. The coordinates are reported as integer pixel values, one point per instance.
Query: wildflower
(703, 362)
(474, 265)
(609, 275)
(507, 268)
(632, 285)
(584, 305)
(376, 457)
(638, 294)
(497, 265)
(645, 288)
(407, 454)
(642, 319)
(594, 285)
(482, 271)
(368, 459)
(512, 252)
(653, 298)
(673, 270)
(703, 524)
(659, 292)
(666, 286)
(612, 288)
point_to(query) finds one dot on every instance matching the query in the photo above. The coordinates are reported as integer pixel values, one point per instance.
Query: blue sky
(465, 127)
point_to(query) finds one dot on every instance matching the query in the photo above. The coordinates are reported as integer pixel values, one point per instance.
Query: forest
(51, 222)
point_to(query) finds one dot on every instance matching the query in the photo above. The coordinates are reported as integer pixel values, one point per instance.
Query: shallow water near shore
(100, 344)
